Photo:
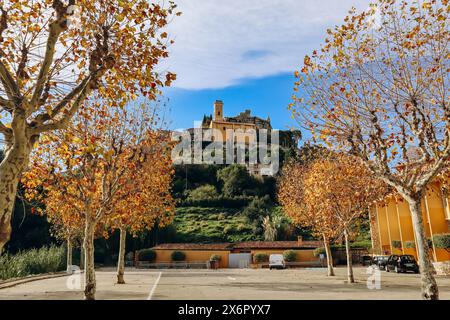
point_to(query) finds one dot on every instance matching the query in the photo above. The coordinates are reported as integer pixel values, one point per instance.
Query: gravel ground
(227, 284)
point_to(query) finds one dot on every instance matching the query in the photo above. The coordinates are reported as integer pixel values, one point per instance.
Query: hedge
(410, 245)
(397, 244)
(147, 255)
(215, 257)
(442, 241)
(32, 262)
(178, 256)
(261, 257)
(219, 202)
(290, 256)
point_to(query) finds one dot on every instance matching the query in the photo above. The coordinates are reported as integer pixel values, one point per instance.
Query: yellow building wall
(394, 228)
(302, 255)
(406, 226)
(383, 229)
(446, 203)
(394, 222)
(223, 126)
(374, 231)
(164, 256)
(193, 256)
(436, 214)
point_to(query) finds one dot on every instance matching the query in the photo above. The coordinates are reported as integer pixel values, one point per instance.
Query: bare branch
(7, 132)
(55, 29)
(6, 104)
(10, 85)
(41, 118)
(64, 122)
(3, 23)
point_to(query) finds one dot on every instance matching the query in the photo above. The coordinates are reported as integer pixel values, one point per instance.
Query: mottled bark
(430, 289)
(121, 259)
(15, 161)
(329, 256)
(348, 251)
(69, 256)
(89, 272)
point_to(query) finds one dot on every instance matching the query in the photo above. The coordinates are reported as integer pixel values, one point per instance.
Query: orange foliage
(328, 194)
(109, 169)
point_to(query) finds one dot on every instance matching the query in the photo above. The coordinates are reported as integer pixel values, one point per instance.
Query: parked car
(402, 263)
(366, 260)
(380, 261)
(276, 261)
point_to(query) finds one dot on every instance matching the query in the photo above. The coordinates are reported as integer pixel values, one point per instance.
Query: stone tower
(218, 110)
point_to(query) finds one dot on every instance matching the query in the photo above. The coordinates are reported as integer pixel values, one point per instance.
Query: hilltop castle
(240, 125)
(244, 121)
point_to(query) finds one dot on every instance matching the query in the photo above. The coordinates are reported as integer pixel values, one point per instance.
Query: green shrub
(32, 262)
(228, 229)
(178, 256)
(261, 257)
(257, 208)
(147, 255)
(129, 256)
(397, 244)
(410, 245)
(361, 244)
(215, 257)
(290, 256)
(442, 241)
(203, 193)
(218, 202)
(318, 251)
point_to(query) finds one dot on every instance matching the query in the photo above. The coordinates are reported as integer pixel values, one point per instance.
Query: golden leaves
(327, 193)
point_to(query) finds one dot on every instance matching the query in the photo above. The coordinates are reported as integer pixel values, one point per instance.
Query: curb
(15, 282)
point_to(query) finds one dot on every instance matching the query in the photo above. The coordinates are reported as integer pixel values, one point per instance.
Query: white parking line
(154, 287)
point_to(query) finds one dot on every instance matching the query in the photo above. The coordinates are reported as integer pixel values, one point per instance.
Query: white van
(276, 261)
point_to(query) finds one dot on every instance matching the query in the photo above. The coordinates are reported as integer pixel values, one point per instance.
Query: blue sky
(267, 96)
(244, 53)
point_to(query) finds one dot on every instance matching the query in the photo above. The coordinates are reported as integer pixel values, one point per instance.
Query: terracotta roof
(241, 245)
(277, 245)
(193, 246)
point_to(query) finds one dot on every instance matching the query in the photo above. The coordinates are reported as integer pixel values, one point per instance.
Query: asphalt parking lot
(228, 284)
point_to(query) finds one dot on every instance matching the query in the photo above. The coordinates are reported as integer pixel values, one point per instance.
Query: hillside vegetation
(207, 225)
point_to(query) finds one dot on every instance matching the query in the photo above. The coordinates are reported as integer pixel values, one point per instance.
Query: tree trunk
(329, 256)
(82, 257)
(89, 267)
(348, 251)
(69, 257)
(430, 289)
(15, 161)
(121, 259)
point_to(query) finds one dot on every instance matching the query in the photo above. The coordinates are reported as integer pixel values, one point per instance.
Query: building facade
(245, 251)
(392, 229)
(244, 122)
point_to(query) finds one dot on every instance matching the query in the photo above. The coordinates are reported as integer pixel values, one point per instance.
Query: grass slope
(209, 225)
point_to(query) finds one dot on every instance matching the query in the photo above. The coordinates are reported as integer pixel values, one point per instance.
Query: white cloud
(220, 42)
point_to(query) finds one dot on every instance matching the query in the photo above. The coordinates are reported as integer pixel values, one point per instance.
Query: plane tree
(55, 54)
(379, 89)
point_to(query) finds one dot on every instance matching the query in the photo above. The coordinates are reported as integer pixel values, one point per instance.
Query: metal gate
(239, 260)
